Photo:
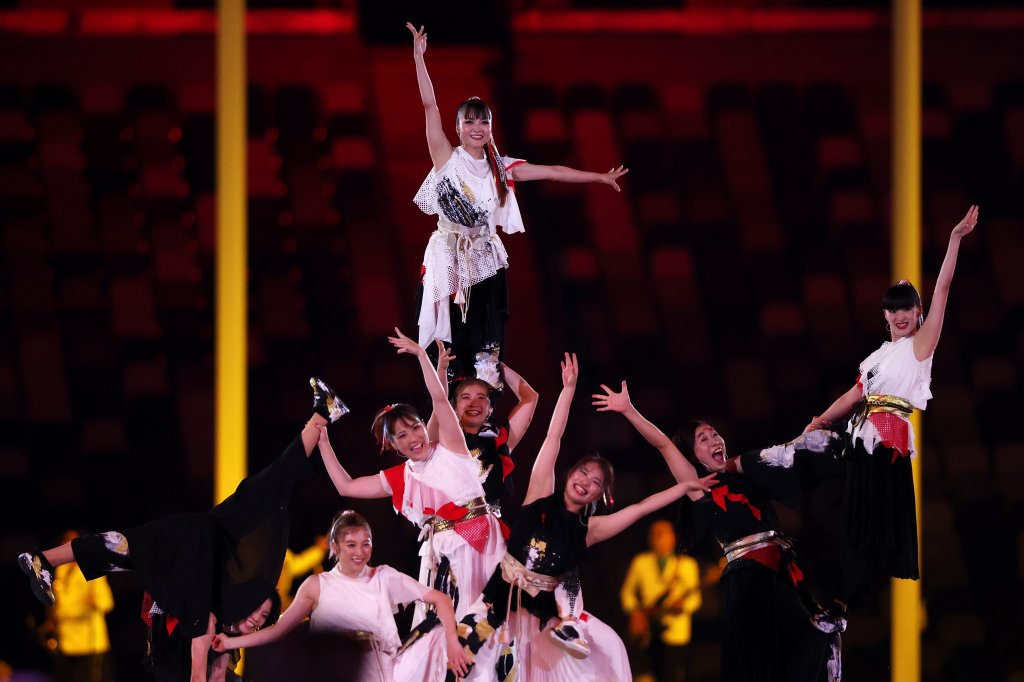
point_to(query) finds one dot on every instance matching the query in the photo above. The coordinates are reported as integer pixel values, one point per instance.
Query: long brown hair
(474, 107)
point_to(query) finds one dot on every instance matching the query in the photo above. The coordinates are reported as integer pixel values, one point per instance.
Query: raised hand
(610, 401)
(323, 439)
(444, 358)
(612, 176)
(419, 39)
(404, 344)
(570, 371)
(966, 226)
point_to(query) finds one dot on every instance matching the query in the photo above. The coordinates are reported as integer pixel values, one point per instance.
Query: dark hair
(608, 488)
(345, 522)
(901, 296)
(384, 423)
(466, 383)
(684, 439)
(275, 607)
(474, 107)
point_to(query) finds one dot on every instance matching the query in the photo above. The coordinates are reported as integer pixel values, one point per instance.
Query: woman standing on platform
(464, 296)
(878, 516)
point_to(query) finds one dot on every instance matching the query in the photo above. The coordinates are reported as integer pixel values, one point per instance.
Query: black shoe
(571, 639)
(40, 576)
(326, 402)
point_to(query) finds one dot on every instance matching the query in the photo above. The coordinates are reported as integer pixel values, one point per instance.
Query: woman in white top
(471, 190)
(357, 600)
(878, 518)
(438, 488)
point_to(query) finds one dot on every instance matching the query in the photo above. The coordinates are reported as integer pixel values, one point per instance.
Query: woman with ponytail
(464, 298)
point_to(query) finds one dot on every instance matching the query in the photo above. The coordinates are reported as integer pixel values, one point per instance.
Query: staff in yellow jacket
(79, 617)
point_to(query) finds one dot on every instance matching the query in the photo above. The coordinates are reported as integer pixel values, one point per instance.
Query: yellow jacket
(645, 584)
(79, 612)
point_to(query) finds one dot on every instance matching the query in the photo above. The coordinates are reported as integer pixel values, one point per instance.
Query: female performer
(767, 631)
(438, 488)
(464, 299)
(207, 573)
(878, 516)
(548, 541)
(359, 601)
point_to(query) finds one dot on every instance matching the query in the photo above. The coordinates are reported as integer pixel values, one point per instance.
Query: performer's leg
(96, 554)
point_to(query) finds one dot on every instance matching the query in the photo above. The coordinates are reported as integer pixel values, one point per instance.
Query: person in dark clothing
(768, 634)
(550, 537)
(203, 572)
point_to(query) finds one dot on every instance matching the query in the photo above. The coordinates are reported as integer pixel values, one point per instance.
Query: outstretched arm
(522, 414)
(601, 528)
(305, 601)
(927, 337)
(444, 357)
(449, 432)
(542, 478)
(842, 406)
(610, 401)
(442, 603)
(529, 171)
(365, 487)
(438, 144)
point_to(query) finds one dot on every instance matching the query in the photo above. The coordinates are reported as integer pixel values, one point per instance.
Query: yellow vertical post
(231, 357)
(906, 264)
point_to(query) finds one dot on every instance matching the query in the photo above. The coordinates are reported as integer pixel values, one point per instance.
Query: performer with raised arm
(767, 633)
(358, 601)
(878, 515)
(464, 296)
(548, 540)
(438, 488)
(203, 573)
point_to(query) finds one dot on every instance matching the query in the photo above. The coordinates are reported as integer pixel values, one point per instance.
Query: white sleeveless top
(894, 370)
(367, 603)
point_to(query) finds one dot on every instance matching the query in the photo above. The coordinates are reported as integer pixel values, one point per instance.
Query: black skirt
(879, 512)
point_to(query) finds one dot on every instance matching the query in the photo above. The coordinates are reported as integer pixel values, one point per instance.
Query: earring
(920, 321)
(888, 328)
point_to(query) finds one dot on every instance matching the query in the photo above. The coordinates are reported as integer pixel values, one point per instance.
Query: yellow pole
(906, 264)
(232, 310)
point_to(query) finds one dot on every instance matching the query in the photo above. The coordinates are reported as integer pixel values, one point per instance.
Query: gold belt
(514, 573)
(887, 403)
(737, 548)
(476, 507)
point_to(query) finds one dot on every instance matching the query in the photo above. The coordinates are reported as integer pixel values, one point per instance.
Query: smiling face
(410, 439)
(473, 126)
(472, 406)
(902, 323)
(584, 485)
(709, 448)
(353, 549)
(255, 620)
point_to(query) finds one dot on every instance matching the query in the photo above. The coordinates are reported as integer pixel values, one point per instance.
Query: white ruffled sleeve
(401, 589)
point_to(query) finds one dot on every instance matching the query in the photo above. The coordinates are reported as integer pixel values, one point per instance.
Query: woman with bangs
(463, 294)
(438, 488)
(768, 633)
(358, 601)
(878, 515)
(546, 548)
